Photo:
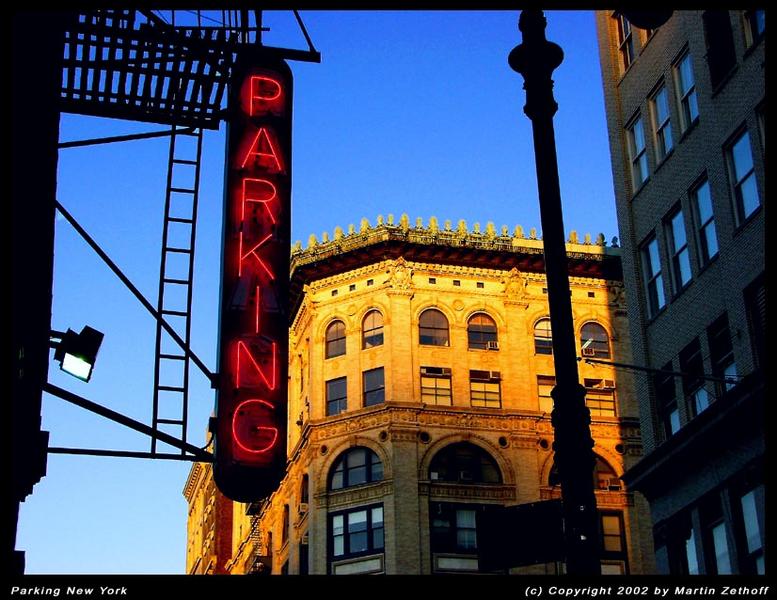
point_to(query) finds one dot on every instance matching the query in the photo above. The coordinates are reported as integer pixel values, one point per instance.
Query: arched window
(285, 524)
(372, 329)
(335, 339)
(463, 462)
(355, 467)
(603, 475)
(482, 333)
(303, 489)
(594, 341)
(433, 328)
(543, 337)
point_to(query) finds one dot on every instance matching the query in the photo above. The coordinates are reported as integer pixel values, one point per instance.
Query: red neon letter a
(259, 148)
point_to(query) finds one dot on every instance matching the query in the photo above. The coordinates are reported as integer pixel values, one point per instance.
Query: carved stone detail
(400, 275)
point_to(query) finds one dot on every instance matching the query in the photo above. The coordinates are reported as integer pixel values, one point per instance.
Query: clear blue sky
(414, 112)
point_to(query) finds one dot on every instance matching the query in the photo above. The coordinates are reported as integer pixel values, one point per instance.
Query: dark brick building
(685, 110)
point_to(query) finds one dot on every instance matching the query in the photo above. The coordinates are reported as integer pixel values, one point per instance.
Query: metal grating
(116, 65)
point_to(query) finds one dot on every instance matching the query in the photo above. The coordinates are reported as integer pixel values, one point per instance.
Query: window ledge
(752, 47)
(688, 130)
(724, 81)
(713, 259)
(750, 218)
(639, 189)
(660, 163)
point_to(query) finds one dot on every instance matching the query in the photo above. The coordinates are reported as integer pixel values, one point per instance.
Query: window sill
(660, 163)
(752, 47)
(703, 267)
(724, 81)
(639, 189)
(681, 291)
(750, 218)
(688, 130)
(652, 318)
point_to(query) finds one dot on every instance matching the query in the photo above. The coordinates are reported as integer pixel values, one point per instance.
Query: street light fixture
(76, 352)
(535, 59)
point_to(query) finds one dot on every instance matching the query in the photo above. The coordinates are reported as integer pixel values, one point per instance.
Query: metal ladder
(176, 273)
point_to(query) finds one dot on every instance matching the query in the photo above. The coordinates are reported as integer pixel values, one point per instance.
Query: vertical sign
(251, 402)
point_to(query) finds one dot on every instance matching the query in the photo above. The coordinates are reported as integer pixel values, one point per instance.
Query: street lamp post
(535, 59)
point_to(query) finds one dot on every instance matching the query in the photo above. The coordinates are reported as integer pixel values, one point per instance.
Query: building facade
(420, 371)
(685, 108)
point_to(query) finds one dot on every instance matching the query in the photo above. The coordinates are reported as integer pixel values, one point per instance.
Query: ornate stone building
(420, 369)
(685, 107)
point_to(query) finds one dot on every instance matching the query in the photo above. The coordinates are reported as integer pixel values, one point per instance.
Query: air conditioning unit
(303, 508)
(613, 484)
(304, 540)
(492, 345)
(589, 351)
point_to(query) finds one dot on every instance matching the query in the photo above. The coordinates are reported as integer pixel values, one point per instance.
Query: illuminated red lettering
(252, 252)
(263, 89)
(249, 430)
(260, 191)
(263, 149)
(258, 307)
(269, 381)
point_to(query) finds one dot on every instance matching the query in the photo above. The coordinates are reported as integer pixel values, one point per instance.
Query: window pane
(743, 159)
(750, 517)
(335, 339)
(690, 553)
(749, 196)
(704, 202)
(372, 328)
(338, 543)
(720, 543)
(337, 525)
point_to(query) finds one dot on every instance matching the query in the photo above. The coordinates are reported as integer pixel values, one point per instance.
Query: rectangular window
(707, 237)
(637, 152)
(755, 307)
(436, 386)
(654, 281)
(740, 161)
(545, 384)
(721, 56)
(336, 396)
(374, 387)
(453, 528)
(357, 532)
(692, 560)
(659, 104)
(677, 539)
(751, 505)
(485, 389)
(678, 250)
(722, 353)
(755, 26)
(692, 367)
(613, 543)
(666, 401)
(686, 92)
(625, 42)
(720, 546)
(600, 397)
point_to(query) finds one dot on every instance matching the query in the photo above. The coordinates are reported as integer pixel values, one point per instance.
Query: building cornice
(347, 253)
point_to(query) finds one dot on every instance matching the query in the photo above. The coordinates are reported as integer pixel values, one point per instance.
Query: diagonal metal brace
(199, 453)
(146, 304)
